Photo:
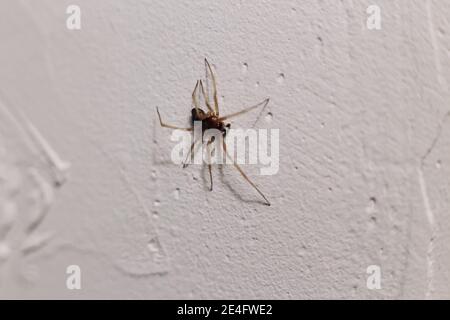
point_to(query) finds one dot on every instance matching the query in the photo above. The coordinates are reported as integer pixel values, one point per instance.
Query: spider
(212, 120)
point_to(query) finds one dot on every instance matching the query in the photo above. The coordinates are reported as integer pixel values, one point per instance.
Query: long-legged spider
(212, 120)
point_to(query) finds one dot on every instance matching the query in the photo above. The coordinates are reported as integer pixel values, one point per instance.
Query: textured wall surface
(85, 171)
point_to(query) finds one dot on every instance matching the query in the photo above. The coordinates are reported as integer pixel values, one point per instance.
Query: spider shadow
(229, 186)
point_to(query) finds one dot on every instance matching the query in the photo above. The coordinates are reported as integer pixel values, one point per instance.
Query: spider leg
(263, 103)
(188, 156)
(208, 105)
(194, 98)
(210, 74)
(243, 174)
(168, 125)
(208, 151)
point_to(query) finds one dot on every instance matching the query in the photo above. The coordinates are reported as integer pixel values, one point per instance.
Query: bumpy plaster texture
(85, 171)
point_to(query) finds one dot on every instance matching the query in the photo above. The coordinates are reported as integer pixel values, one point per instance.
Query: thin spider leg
(208, 151)
(188, 156)
(213, 79)
(243, 173)
(208, 105)
(263, 103)
(168, 125)
(194, 98)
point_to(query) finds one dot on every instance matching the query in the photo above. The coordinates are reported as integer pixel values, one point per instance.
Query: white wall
(364, 173)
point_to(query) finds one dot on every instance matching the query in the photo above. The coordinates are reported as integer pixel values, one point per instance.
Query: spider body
(209, 121)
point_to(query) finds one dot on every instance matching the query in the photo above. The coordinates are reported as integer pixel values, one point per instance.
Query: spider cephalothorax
(209, 121)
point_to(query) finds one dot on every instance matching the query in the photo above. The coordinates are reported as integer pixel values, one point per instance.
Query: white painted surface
(364, 152)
